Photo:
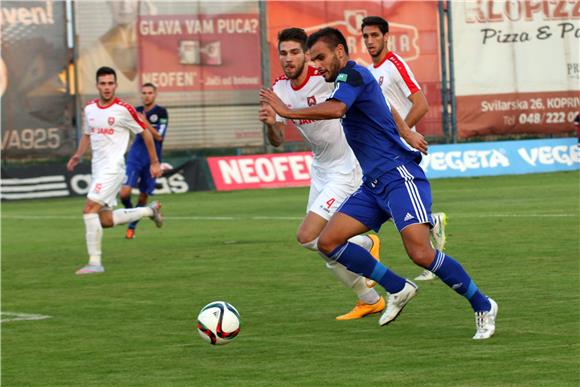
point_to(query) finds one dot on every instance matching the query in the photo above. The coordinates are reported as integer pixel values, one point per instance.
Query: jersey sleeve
(163, 122)
(132, 121)
(348, 86)
(405, 79)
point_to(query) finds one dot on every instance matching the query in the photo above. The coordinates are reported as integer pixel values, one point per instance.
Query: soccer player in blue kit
(394, 185)
(155, 118)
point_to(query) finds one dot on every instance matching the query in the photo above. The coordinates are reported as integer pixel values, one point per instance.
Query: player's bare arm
(150, 127)
(76, 157)
(155, 166)
(275, 129)
(418, 110)
(324, 111)
(415, 139)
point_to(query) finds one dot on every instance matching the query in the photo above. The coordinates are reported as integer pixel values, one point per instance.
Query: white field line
(13, 316)
(230, 218)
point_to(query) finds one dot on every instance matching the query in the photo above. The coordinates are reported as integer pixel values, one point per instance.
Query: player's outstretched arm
(155, 167)
(327, 110)
(76, 157)
(418, 110)
(275, 129)
(415, 139)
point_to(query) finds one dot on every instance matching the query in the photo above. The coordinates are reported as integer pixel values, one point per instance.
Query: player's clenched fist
(269, 97)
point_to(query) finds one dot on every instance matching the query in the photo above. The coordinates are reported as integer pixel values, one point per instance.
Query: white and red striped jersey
(109, 127)
(331, 152)
(397, 82)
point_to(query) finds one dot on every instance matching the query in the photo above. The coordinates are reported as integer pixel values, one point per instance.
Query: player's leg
(146, 188)
(369, 301)
(411, 207)
(108, 193)
(321, 206)
(438, 239)
(93, 229)
(131, 180)
(358, 214)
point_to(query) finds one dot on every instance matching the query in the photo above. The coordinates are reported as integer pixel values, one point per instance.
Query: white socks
(128, 215)
(363, 241)
(354, 281)
(94, 235)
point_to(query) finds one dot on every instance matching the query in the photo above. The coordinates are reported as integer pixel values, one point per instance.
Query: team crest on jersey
(111, 120)
(311, 100)
(153, 118)
(381, 79)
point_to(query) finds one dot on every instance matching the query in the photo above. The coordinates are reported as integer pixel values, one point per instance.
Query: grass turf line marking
(228, 218)
(13, 316)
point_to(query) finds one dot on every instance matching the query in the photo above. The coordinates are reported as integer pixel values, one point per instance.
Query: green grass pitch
(518, 236)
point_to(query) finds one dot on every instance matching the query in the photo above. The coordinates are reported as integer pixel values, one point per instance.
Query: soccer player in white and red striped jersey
(108, 122)
(402, 92)
(335, 172)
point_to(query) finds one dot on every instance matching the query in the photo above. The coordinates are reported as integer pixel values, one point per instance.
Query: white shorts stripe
(424, 212)
(414, 195)
(410, 193)
(438, 261)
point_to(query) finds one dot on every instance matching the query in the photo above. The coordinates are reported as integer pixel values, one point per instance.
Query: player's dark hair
(106, 71)
(293, 34)
(331, 36)
(375, 21)
(149, 84)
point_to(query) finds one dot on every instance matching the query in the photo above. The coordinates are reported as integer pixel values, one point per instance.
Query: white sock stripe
(436, 265)
(418, 197)
(336, 256)
(439, 261)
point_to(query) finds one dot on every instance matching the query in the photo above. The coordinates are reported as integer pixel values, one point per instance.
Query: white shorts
(105, 187)
(325, 197)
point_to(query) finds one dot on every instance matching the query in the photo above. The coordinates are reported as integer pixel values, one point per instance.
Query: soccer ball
(218, 323)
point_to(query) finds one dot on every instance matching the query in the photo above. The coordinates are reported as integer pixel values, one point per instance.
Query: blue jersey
(368, 124)
(158, 118)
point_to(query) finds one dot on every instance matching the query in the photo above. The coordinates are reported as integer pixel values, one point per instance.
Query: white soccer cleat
(425, 276)
(157, 215)
(438, 231)
(485, 322)
(397, 302)
(90, 269)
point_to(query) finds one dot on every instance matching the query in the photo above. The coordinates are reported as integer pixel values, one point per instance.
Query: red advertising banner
(200, 52)
(261, 171)
(413, 29)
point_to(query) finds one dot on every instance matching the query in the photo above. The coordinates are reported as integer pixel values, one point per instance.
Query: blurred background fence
(490, 69)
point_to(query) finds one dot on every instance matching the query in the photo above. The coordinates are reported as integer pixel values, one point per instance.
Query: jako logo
(464, 160)
(547, 155)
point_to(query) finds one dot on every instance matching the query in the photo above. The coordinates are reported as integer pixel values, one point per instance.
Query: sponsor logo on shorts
(408, 217)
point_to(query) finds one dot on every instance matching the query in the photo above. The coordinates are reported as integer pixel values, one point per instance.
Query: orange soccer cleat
(130, 233)
(376, 253)
(361, 309)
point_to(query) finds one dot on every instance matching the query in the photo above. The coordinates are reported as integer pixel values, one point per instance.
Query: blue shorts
(402, 194)
(139, 176)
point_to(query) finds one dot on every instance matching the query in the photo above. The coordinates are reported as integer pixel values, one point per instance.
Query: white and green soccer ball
(218, 323)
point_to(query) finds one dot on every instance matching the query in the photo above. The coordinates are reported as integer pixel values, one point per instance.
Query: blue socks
(452, 273)
(127, 202)
(360, 261)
